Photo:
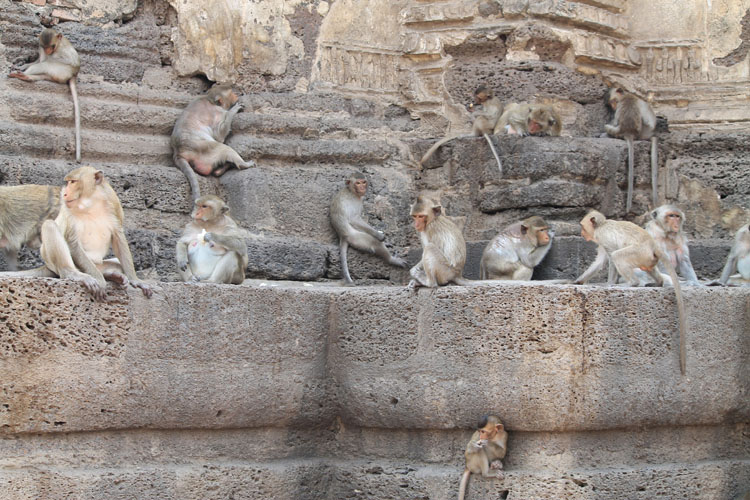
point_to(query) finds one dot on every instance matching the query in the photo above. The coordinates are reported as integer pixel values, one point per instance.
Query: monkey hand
(182, 265)
(236, 108)
(381, 235)
(19, 75)
(145, 288)
(97, 289)
(194, 279)
(209, 238)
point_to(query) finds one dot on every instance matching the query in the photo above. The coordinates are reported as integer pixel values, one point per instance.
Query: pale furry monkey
(737, 269)
(212, 247)
(89, 224)
(666, 230)
(634, 119)
(59, 62)
(199, 133)
(486, 111)
(23, 209)
(443, 246)
(485, 451)
(630, 248)
(346, 218)
(529, 119)
(513, 254)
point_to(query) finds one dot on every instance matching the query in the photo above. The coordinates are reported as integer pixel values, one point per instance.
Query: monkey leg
(49, 70)
(523, 273)
(112, 271)
(419, 277)
(228, 270)
(633, 257)
(224, 154)
(382, 252)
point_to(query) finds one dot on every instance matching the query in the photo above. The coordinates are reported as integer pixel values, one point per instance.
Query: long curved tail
(494, 152)
(190, 174)
(76, 116)
(462, 486)
(654, 172)
(435, 147)
(631, 174)
(680, 308)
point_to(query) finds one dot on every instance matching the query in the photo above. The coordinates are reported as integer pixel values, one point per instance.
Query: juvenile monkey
(486, 111)
(199, 133)
(529, 119)
(666, 230)
(212, 247)
(739, 260)
(352, 229)
(513, 254)
(443, 246)
(23, 209)
(485, 450)
(634, 119)
(630, 247)
(59, 62)
(89, 223)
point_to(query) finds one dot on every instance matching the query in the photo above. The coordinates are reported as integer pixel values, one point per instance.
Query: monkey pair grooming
(529, 119)
(630, 248)
(513, 254)
(346, 218)
(485, 451)
(485, 110)
(212, 247)
(59, 62)
(443, 246)
(633, 119)
(199, 133)
(89, 223)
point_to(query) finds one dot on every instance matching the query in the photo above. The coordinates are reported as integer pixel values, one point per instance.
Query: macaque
(739, 260)
(486, 111)
(23, 209)
(89, 224)
(634, 119)
(529, 119)
(513, 254)
(666, 230)
(485, 451)
(59, 62)
(443, 246)
(346, 219)
(212, 247)
(199, 133)
(630, 248)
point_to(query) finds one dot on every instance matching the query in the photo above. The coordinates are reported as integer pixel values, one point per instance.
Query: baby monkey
(529, 119)
(485, 451)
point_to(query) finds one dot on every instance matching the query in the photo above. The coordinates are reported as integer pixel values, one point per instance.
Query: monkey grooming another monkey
(443, 247)
(346, 219)
(89, 223)
(212, 247)
(23, 209)
(529, 119)
(513, 254)
(485, 450)
(59, 62)
(634, 119)
(486, 111)
(739, 260)
(199, 133)
(666, 230)
(630, 247)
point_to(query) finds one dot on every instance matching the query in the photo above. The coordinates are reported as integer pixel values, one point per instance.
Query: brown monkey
(529, 119)
(443, 246)
(634, 119)
(23, 209)
(346, 219)
(666, 230)
(486, 110)
(59, 62)
(89, 223)
(739, 260)
(212, 247)
(199, 133)
(513, 254)
(630, 247)
(485, 450)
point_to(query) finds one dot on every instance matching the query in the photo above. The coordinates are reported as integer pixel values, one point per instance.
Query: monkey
(59, 62)
(633, 119)
(212, 247)
(630, 247)
(75, 242)
(443, 246)
(486, 110)
(737, 269)
(485, 450)
(346, 218)
(198, 136)
(666, 230)
(529, 119)
(23, 209)
(513, 254)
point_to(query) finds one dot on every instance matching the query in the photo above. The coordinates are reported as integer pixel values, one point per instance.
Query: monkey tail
(631, 174)
(76, 116)
(434, 148)
(464, 483)
(494, 152)
(654, 173)
(680, 307)
(189, 173)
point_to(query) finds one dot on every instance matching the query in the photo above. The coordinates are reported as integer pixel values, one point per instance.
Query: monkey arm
(686, 268)
(122, 251)
(230, 241)
(729, 268)
(595, 267)
(80, 259)
(181, 255)
(225, 125)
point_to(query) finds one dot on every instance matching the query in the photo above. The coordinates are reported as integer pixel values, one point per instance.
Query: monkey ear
(225, 209)
(98, 177)
(653, 214)
(348, 182)
(593, 221)
(524, 229)
(220, 101)
(436, 210)
(499, 427)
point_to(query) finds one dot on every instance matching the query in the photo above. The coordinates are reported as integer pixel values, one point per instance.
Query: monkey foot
(18, 75)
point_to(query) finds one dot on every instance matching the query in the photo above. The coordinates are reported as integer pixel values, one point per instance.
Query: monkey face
(673, 221)
(543, 237)
(203, 212)
(420, 222)
(587, 231)
(360, 187)
(534, 127)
